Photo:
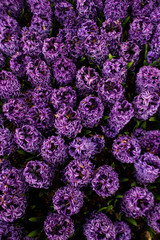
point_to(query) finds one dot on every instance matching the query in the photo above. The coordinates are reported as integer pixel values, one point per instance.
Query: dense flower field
(79, 119)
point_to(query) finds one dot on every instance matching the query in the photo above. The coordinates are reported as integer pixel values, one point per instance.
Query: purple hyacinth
(120, 114)
(105, 181)
(96, 49)
(147, 168)
(111, 30)
(28, 138)
(64, 71)
(53, 49)
(14, 7)
(68, 200)
(17, 64)
(78, 173)
(31, 43)
(140, 31)
(110, 131)
(15, 110)
(41, 96)
(123, 231)
(4, 164)
(99, 226)
(153, 218)
(155, 15)
(130, 52)
(142, 7)
(145, 104)
(137, 202)
(148, 78)
(38, 174)
(7, 143)
(81, 148)
(54, 150)
(86, 81)
(42, 7)
(68, 122)
(86, 9)
(110, 90)
(64, 13)
(64, 95)
(58, 226)
(99, 141)
(126, 149)
(149, 140)
(10, 231)
(38, 73)
(2, 60)
(115, 9)
(115, 68)
(9, 85)
(12, 207)
(75, 48)
(152, 56)
(87, 28)
(12, 181)
(91, 111)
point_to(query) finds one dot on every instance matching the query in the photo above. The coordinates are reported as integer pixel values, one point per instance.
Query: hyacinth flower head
(4, 164)
(120, 114)
(91, 111)
(9, 85)
(105, 181)
(10, 231)
(12, 207)
(130, 52)
(68, 200)
(116, 9)
(111, 30)
(64, 71)
(147, 168)
(86, 80)
(38, 174)
(40, 96)
(87, 28)
(123, 231)
(53, 49)
(110, 131)
(40, 7)
(126, 149)
(54, 150)
(115, 68)
(137, 202)
(28, 138)
(68, 122)
(145, 104)
(17, 64)
(155, 15)
(99, 226)
(140, 31)
(13, 7)
(2, 60)
(143, 8)
(96, 49)
(12, 181)
(99, 141)
(149, 140)
(58, 226)
(38, 73)
(7, 143)
(64, 13)
(86, 9)
(153, 218)
(81, 148)
(148, 78)
(78, 173)
(15, 110)
(110, 90)
(64, 95)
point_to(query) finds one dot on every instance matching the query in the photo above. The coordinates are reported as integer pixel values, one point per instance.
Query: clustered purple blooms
(105, 181)
(2, 60)
(38, 174)
(116, 10)
(68, 200)
(10, 231)
(7, 142)
(143, 8)
(78, 173)
(147, 168)
(91, 111)
(153, 218)
(137, 202)
(123, 231)
(41, 96)
(58, 226)
(54, 150)
(18, 64)
(126, 149)
(99, 226)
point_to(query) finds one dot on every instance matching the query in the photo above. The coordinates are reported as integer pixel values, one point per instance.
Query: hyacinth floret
(123, 231)
(153, 218)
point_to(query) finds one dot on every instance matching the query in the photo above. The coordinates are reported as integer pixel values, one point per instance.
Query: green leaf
(146, 51)
(153, 119)
(36, 219)
(21, 152)
(110, 57)
(105, 117)
(124, 180)
(106, 209)
(34, 232)
(125, 21)
(83, 59)
(152, 232)
(133, 184)
(132, 221)
(113, 165)
(129, 65)
(119, 196)
(87, 132)
(144, 125)
(22, 13)
(157, 197)
(137, 124)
